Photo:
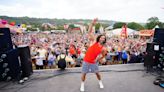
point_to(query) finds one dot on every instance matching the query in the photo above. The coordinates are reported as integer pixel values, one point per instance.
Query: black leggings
(124, 61)
(39, 67)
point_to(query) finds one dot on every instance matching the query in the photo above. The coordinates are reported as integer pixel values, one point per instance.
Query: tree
(118, 25)
(105, 25)
(71, 26)
(152, 22)
(153, 19)
(60, 27)
(135, 26)
(31, 29)
(161, 25)
(97, 26)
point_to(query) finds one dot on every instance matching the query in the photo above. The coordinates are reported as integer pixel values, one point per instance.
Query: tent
(109, 27)
(146, 32)
(118, 31)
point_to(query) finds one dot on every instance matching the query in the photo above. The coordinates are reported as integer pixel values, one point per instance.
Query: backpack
(124, 55)
(62, 62)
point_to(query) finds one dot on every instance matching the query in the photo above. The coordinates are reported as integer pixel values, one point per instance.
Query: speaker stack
(159, 38)
(149, 59)
(9, 63)
(155, 50)
(5, 40)
(25, 60)
(160, 58)
(14, 63)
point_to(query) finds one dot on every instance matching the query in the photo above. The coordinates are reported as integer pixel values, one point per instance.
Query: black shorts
(74, 56)
(45, 62)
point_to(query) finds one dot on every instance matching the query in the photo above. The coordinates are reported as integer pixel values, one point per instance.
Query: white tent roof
(118, 31)
(109, 27)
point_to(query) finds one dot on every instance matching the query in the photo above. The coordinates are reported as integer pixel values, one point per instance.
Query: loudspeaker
(150, 48)
(155, 55)
(160, 58)
(149, 59)
(9, 65)
(159, 38)
(159, 35)
(5, 40)
(25, 59)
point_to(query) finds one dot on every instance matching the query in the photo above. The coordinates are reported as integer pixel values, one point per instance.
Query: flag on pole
(124, 31)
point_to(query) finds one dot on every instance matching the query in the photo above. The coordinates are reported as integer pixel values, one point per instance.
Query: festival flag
(23, 25)
(4, 22)
(12, 23)
(124, 31)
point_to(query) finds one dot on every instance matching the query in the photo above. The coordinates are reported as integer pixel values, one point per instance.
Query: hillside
(38, 21)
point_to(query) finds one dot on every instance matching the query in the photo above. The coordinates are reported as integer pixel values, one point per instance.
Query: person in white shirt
(39, 61)
(43, 54)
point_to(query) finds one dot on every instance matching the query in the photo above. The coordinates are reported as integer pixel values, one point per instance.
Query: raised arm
(90, 30)
(92, 24)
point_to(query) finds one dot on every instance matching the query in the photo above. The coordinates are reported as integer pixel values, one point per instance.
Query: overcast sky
(118, 10)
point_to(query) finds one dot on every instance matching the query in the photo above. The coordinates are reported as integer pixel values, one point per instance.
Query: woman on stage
(90, 64)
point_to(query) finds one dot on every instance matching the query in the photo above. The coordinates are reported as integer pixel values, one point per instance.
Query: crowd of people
(47, 48)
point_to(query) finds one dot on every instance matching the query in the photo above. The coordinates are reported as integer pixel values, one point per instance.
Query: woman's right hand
(94, 21)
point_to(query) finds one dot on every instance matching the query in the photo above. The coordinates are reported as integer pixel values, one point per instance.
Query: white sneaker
(82, 87)
(101, 84)
(21, 81)
(25, 78)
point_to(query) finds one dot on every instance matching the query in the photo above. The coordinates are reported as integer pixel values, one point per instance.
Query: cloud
(119, 10)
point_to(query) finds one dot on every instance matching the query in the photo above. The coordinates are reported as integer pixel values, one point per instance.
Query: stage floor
(116, 78)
